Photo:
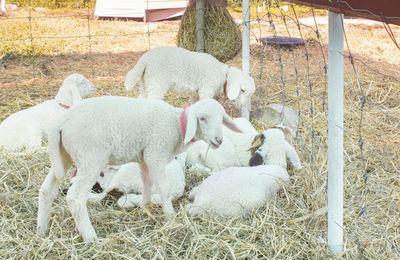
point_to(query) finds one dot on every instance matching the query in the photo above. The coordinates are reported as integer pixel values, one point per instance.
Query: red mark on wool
(63, 106)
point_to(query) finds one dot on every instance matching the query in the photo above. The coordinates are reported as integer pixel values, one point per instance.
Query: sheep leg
(77, 197)
(146, 184)
(157, 174)
(47, 193)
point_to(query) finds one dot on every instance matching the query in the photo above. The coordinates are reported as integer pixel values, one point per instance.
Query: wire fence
(39, 47)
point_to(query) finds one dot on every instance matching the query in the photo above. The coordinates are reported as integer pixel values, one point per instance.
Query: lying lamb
(117, 130)
(184, 71)
(273, 148)
(201, 157)
(127, 181)
(30, 127)
(241, 189)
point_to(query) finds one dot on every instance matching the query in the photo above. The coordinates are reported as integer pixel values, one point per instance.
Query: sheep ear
(257, 142)
(228, 122)
(191, 127)
(233, 90)
(293, 156)
(76, 96)
(256, 160)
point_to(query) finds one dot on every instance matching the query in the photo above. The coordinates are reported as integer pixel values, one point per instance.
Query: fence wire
(37, 59)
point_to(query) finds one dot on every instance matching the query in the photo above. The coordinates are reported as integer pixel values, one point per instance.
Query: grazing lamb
(127, 182)
(116, 130)
(183, 71)
(240, 189)
(30, 127)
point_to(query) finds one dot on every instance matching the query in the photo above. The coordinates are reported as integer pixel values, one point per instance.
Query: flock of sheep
(142, 147)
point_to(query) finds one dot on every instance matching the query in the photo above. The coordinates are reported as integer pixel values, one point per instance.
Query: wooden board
(383, 10)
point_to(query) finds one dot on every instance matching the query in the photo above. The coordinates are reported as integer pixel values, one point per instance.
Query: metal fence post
(246, 48)
(200, 26)
(335, 133)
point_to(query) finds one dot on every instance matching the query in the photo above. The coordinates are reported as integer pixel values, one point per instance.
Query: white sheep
(183, 71)
(245, 126)
(240, 189)
(273, 148)
(117, 130)
(127, 180)
(201, 157)
(3, 6)
(236, 190)
(241, 142)
(29, 127)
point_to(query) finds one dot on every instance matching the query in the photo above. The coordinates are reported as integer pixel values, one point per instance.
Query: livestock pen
(43, 42)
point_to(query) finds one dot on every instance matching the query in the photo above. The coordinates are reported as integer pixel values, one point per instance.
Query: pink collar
(184, 123)
(63, 106)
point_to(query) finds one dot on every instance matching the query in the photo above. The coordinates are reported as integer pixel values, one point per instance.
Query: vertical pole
(246, 49)
(200, 26)
(335, 134)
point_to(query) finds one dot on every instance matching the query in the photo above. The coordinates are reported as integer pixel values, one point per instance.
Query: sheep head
(272, 148)
(73, 89)
(204, 121)
(240, 86)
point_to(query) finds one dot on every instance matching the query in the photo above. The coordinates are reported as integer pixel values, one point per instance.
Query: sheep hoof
(90, 238)
(148, 213)
(41, 231)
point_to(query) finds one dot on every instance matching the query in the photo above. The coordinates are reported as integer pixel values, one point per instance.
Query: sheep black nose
(218, 140)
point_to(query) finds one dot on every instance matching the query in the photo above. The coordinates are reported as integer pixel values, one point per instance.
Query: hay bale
(222, 35)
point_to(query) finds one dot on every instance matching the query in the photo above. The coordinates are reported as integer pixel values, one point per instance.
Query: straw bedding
(294, 225)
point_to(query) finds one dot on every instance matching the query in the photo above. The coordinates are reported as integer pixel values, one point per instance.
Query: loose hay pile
(222, 35)
(291, 226)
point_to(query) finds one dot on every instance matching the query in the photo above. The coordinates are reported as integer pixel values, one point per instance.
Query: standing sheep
(117, 130)
(30, 127)
(183, 71)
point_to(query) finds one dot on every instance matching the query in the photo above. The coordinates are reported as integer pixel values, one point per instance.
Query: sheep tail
(54, 147)
(135, 74)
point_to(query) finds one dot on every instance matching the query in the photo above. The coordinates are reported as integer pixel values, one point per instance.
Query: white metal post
(246, 49)
(335, 133)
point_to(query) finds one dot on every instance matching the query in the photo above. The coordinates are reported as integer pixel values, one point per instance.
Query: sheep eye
(204, 119)
(242, 90)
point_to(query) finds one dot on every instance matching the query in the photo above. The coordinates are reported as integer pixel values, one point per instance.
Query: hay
(293, 225)
(222, 35)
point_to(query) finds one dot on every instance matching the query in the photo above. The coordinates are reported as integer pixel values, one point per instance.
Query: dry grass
(294, 225)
